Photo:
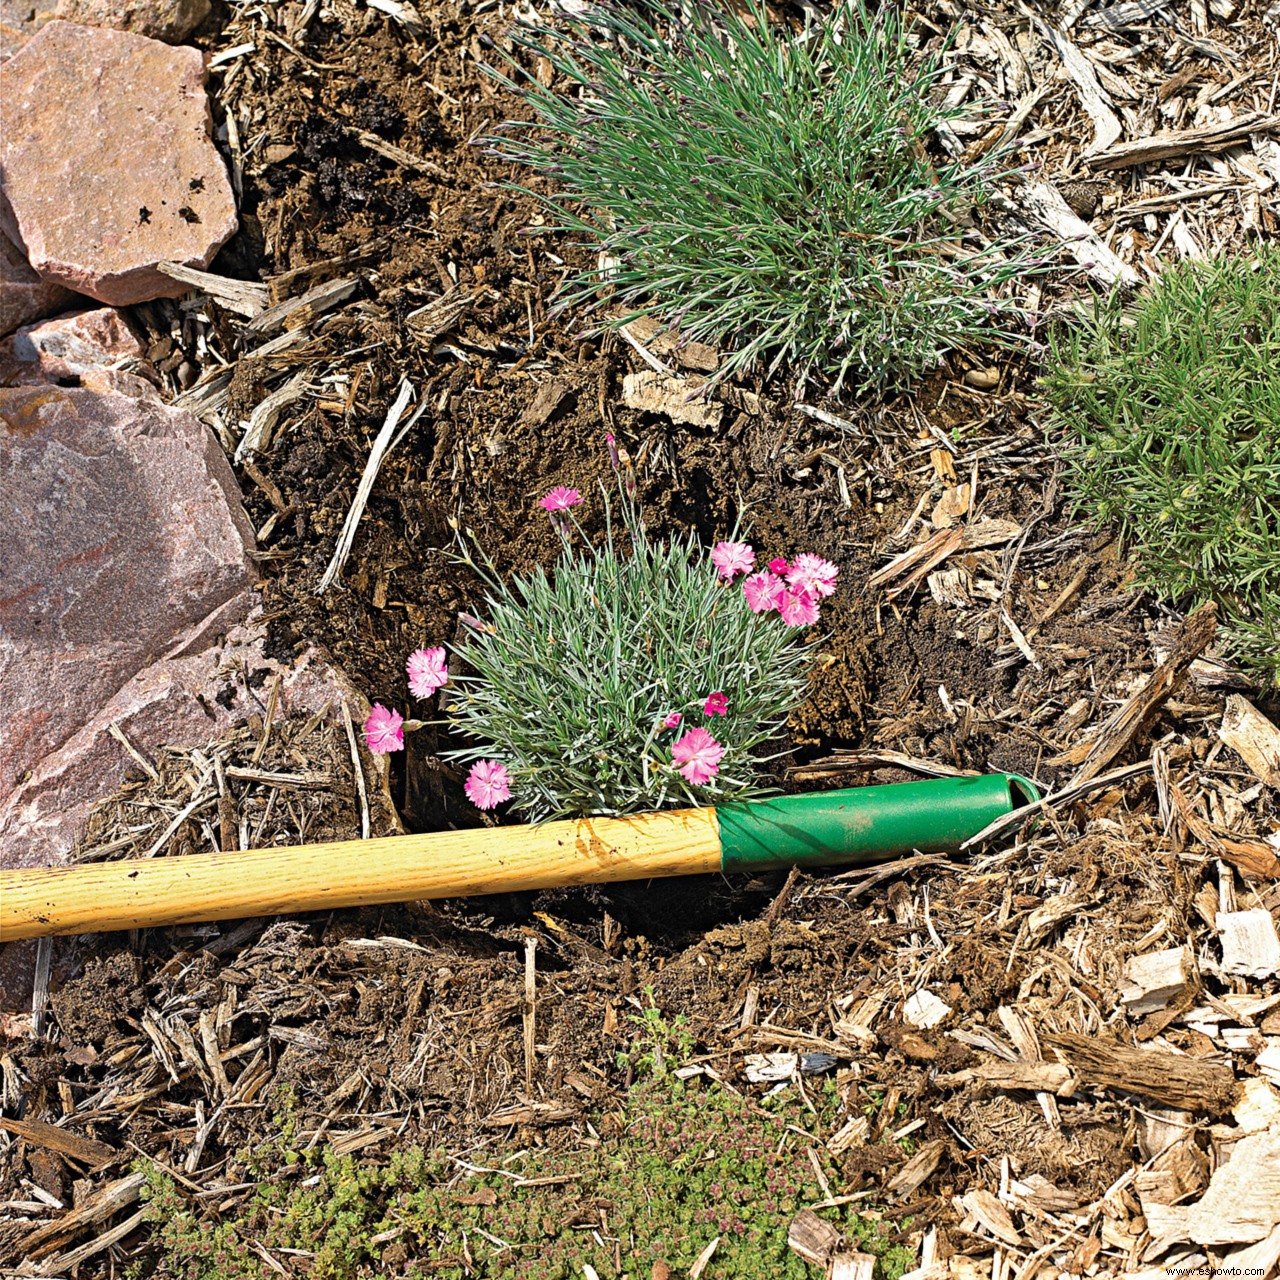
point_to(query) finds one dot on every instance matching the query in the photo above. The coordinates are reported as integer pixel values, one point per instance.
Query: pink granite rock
(93, 349)
(124, 536)
(107, 161)
(169, 20)
(23, 295)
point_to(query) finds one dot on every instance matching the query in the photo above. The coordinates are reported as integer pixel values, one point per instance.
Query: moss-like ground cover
(679, 1165)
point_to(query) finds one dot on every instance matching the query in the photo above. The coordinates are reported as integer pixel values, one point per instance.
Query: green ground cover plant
(1171, 410)
(768, 192)
(677, 1166)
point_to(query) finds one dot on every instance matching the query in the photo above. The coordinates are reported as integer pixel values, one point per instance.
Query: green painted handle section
(865, 824)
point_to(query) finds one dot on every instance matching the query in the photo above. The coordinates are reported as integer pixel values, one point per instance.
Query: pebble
(108, 162)
(95, 349)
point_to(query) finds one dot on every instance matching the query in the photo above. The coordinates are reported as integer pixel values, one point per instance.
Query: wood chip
(1180, 1170)
(533, 1113)
(1242, 1204)
(1035, 1077)
(924, 1010)
(991, 1214)
(664, 341)
(297, 313)
(703, 1260)
(812, 1239)
(1037, 1194)
(105, 1204)
(438, 317)
(545, 402)
(244, 297)
(398, 154)
(1093, 757)
(913, 1175)
(1250, 945)
(1258, 1259)
(676, 398)
(388, 437)
(1167, 146)
(1259, 1106)
(1253, 738)
(99, 1244)
(1046, 204)
(266, 414)
(853, 1133)
(296, 1036)
(1106, 124)
(1156, 980)
(52, 1138)
(1175, 1079)
(852, 1266)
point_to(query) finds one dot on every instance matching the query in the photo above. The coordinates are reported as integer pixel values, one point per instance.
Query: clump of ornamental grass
(1172, 411)
(638, 674)
(767, 192)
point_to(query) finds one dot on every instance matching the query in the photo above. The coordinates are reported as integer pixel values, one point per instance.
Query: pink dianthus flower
(764, 591)
(382, 730)
(779, 566)
(488, 784)
(698, 756)
(560, 499)
(717, 704)
(671, 719)
(798, 609)
(732, 558)
(428, 672)
(812, 574)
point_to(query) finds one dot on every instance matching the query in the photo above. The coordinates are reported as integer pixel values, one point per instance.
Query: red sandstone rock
(108, 163)
(123, 534)
(169, 20)
(23, 295)
(93, 349)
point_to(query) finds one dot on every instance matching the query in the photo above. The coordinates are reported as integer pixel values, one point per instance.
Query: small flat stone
(24, 296)
(94, 349)
(108, 161)
(169, 20)
(124, 539)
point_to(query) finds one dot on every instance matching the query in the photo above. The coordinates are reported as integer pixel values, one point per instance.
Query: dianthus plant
(637, 674)
(770, 192)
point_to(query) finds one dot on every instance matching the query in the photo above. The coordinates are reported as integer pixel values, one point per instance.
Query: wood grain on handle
(139, 893)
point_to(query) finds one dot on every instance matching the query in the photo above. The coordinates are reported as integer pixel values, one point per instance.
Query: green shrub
(1172, 414)
(772, 193)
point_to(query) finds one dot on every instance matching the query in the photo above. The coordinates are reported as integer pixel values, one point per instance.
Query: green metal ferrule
(865, 824)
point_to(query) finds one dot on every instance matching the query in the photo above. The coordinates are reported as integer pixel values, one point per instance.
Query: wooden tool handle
(135, 894)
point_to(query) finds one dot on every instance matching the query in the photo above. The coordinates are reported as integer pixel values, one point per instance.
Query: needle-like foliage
(1173, 413)
(771, 192)
(572, 674)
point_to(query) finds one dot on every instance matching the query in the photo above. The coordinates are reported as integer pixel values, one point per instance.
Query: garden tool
(854, 826)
